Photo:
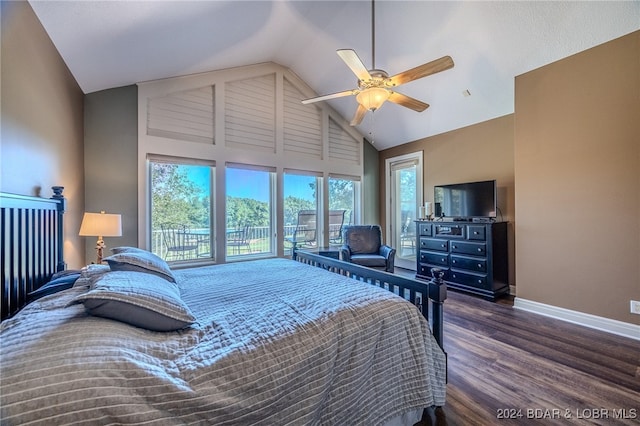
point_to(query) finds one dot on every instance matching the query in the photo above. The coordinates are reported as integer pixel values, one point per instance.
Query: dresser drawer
(441, 259)
(472, 280)
(475, 249)
(434, 244)
(476, 232)
(425, 229)
(475, 265)
(425, 271)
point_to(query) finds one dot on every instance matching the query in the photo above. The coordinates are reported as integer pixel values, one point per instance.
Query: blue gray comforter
(276, 342)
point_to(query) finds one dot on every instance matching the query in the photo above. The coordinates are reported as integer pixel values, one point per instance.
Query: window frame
(183, 161)
(272, 179)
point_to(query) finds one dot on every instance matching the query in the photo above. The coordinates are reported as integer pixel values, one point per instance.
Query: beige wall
(577, 164)
(483, 151)
(41, 128)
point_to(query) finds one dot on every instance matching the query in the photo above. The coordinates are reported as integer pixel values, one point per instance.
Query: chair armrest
(386, 251)
(389, 254)
(345, 253)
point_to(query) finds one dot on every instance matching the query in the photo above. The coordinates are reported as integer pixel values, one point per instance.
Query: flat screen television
(467, 200)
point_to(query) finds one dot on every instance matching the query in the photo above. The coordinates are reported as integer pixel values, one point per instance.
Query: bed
(272, 341)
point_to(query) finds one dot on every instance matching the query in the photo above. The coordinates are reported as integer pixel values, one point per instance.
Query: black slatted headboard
(31, 249)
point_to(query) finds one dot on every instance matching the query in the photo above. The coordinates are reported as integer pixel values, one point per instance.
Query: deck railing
(260, 237)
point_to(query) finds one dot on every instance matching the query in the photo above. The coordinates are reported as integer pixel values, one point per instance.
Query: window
(343, 205)
(300, 210)
(181, 209)
(249, 211)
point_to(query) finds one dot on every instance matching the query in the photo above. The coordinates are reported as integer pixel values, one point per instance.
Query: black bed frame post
(437, 295)
(62, 206)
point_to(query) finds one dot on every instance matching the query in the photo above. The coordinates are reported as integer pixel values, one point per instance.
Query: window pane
(405, 213)
(342, 198)
(300, 209)
(249, 212)
(181, 211)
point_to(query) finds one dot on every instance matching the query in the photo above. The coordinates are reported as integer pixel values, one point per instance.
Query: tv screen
(467, 200)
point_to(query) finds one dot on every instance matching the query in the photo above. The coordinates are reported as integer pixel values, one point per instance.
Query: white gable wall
(247, 115)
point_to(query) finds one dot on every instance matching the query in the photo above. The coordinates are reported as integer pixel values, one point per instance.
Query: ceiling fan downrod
(373, 34)
(375, 87)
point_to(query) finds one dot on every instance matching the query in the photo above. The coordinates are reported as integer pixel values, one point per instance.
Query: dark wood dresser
(473, 255)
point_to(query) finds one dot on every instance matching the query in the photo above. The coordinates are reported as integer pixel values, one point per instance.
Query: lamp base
(100, 246)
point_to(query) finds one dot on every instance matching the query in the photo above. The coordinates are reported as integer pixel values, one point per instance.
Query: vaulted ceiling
(110, 44)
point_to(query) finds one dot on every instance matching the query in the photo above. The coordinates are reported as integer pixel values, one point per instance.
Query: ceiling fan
(375, 86)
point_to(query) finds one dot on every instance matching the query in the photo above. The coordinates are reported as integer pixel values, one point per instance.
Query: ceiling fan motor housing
(379, 78)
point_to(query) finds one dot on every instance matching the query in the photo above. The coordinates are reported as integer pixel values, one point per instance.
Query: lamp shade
(101, 225)
(372, 98)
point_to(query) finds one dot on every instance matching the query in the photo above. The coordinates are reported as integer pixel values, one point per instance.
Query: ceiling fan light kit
(374, 84)
(373, 98)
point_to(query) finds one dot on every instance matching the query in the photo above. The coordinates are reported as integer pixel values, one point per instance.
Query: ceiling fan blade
(408, 102)
(351, 58)
(423, 70)
(330, 96)
(359, 115)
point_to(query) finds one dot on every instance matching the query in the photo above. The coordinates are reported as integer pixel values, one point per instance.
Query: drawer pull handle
(479, 281)
(475, 232)
(453, 261)
(479, 249)
(443, 259)
(479, 265)
(454, 247)
(443, 245)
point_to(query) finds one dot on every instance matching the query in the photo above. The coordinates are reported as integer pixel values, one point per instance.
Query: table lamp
(101, 225)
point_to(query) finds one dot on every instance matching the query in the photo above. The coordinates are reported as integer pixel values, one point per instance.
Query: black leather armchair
(362, 244)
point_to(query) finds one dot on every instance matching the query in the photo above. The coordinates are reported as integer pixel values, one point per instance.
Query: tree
(246, 211)
(292, 205)
(340, 194)
(177, 199)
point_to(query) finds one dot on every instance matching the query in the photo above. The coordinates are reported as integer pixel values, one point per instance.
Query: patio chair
(408, 236)
(238, 239)
(336, 220)
(179, 243)
(306, 228)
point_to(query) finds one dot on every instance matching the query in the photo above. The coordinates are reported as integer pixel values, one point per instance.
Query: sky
(254, 184)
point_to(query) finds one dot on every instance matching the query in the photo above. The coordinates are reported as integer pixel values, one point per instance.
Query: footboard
(428, 296)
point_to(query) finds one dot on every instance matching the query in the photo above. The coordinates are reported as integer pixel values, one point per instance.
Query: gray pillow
(140, 299)
(140, 261)
(128, 249)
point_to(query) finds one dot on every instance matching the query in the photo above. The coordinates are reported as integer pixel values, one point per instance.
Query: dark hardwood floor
(507, 366)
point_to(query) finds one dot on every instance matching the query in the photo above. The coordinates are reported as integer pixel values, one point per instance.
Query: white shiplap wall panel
(342, 146)
(184, 115)
(254, 112)
(250, 114)
(302, 124)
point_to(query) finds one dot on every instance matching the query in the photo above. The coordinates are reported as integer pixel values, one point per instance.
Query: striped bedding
(276, 342)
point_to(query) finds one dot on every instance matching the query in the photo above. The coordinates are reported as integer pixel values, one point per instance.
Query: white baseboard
(592, 321)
